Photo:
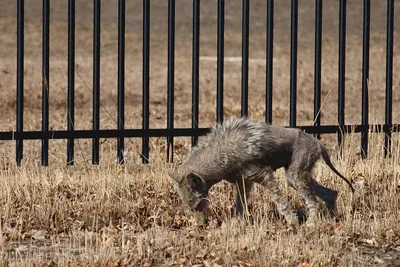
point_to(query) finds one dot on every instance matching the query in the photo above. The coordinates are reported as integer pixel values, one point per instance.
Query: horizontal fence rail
(79, 134)
(145, 133)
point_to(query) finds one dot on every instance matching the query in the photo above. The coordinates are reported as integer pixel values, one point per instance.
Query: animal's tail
(328, 161)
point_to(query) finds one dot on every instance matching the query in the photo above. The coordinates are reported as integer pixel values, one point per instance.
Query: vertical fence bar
(20, 79)
(342, 69)
(71, 79)
(245, 57)
(317, 64)
(121, 79)
(96, 80)
(146, 79)
(220, 60)
(171, 78)
(195, 68)
(293, 63)
(45, 79)
(389, 76)
(365, 77)
(270, 60)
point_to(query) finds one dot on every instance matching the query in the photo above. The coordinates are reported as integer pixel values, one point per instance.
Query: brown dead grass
(111, 215)
(131, 215)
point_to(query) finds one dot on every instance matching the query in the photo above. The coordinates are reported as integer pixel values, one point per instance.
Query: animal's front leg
(243, 189)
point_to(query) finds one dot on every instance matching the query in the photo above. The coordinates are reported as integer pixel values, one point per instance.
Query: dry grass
(131, 215)
(111, 215)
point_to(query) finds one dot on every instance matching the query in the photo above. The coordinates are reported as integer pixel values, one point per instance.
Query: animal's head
(192, 189)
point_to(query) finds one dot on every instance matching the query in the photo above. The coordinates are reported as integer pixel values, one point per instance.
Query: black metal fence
(145, 133)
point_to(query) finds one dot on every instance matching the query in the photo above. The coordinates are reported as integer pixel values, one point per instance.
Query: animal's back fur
(238, 143)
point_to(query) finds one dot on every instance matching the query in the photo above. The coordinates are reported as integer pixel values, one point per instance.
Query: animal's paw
(293, 222)
(294, 227)
(312, 221)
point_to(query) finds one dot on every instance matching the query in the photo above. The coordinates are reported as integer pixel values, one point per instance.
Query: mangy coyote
(243, 152)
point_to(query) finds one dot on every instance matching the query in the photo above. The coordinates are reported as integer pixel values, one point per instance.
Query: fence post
(96, 80)
(245, 57)
(171, 78)
(71, 80)
(342, 71)
(365, 77)
(121, 79)
(45, 79)
(270, 61)
(293, 63)
(20, 79)
(317, 64)
(146, 79)
(220, 60)
(195, 68)
(389, 76)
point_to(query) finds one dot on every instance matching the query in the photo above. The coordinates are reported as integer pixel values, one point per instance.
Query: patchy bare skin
(244, 152)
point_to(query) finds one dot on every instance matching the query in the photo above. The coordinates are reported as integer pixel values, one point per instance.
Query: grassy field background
(130, 215)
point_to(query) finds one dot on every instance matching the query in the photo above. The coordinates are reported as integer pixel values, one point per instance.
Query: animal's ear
(175, 177)
(196, 183)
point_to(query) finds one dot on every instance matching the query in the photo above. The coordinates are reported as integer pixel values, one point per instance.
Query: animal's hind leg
(281, 202)
(302, 182)
(242, 195)
(329, 196)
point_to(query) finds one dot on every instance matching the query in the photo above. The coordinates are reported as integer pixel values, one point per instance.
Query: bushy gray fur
(243, 152)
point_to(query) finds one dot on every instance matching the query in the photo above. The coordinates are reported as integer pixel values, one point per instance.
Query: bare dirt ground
(110, 214)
